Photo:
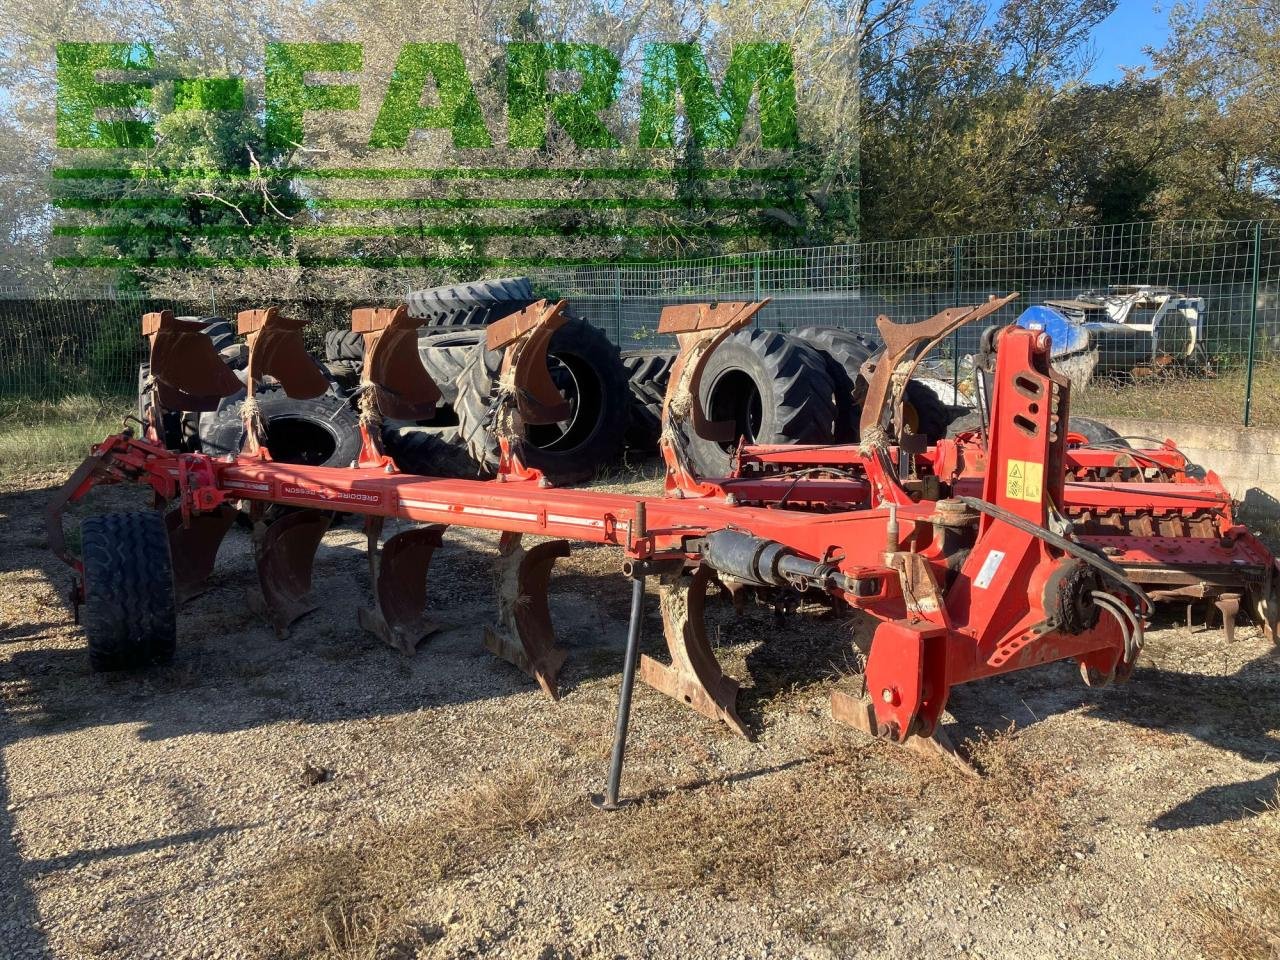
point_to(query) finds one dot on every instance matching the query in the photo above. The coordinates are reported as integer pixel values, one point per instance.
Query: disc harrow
(970, 574)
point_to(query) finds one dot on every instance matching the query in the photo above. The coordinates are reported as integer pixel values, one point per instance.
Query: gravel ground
(324, 794)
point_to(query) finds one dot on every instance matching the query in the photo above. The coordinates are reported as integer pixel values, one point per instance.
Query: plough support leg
(857, 712)
(1267, 607)
(524, 635)
(694, 676)
(399, 571)
(1228, 605)
(286, 552)
(193, 547)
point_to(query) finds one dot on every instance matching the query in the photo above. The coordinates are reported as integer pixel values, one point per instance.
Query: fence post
(1253, 320)
(213, 302)
(756, 296)
(955, 337)
(617, 304)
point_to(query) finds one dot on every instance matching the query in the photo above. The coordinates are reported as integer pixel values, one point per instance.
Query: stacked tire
(771, 388)
(587, 370)
(322, 431)
(583, 364)
(846, 351)
(775, 388)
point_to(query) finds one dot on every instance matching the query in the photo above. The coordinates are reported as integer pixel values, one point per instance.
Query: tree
(1220, 72)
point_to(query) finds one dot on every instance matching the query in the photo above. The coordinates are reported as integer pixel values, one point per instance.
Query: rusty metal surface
(694, 677)
(276, 349)
(400, 568)
(506, 331)
(402, 388)
(524, 635)
(699, 329)
(854, 710)
(285, 552)
(692, 317)
(903, 350)
(1228, 605)
(525, 377)
(188, 373)
(193, 547)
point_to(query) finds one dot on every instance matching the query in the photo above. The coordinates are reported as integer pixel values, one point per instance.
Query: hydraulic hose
(1102, 565)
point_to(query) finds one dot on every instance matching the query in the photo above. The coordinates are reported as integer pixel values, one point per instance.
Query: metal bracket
(393, 372)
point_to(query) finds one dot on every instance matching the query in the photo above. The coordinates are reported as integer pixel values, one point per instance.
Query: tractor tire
(845, 351)
(773, 387)
(344, 373)
(323, 432)
(445, 352)
(648, 372)
(1096, 432)
(471, 304)
(429, 451)
(923, 412)
(130, 611)
(586, 367)
(343, 344)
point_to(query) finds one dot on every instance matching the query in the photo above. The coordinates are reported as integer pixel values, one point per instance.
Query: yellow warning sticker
(1024, 480)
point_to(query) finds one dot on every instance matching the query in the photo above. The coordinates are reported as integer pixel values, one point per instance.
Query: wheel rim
(300, 440)
(734, 397)
(580, 385)
(910, 417)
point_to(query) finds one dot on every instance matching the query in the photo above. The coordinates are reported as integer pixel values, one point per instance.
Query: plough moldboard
(963, 551)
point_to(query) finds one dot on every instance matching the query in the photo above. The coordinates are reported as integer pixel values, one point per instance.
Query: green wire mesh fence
(1202, 343)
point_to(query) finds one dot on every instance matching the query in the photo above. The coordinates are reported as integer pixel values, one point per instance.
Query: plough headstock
(393, 370)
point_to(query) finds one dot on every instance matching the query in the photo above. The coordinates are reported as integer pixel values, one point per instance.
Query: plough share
(959, 551)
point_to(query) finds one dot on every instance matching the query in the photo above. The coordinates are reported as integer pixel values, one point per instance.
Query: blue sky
(1120, 38)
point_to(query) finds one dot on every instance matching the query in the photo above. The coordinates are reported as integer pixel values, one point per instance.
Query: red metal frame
(948, 616)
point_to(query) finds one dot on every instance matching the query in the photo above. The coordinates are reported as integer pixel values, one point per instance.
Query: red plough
(965, 583)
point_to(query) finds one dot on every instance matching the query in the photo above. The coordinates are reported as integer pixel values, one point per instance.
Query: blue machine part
(1069, 336)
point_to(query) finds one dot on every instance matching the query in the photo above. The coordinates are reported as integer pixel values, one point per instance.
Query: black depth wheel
(129, 613)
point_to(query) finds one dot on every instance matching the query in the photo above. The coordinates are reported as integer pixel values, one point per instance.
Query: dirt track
(178, 813)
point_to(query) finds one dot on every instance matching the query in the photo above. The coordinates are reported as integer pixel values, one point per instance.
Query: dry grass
(42, 434)
(1217, 399)
(872, 811)
(355, 899)
(853, 813)
(1249, 930)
